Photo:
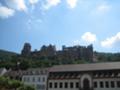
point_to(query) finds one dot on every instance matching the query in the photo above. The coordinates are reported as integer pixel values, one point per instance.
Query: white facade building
(36, 78)
(97, 76)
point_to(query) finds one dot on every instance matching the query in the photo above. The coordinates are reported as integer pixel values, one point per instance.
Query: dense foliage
(107, 57)
(6, 55)
(8, 84)
(16, 61)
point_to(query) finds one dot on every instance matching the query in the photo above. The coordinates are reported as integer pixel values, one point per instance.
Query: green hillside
(107, 57)
(10, 60)
(6, 55)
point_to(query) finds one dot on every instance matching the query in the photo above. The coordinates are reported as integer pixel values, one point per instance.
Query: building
(26, 49)
(76, 53)
(96, 76)
(15, 74)
(2, 71)
(67, 53)
(36, 77)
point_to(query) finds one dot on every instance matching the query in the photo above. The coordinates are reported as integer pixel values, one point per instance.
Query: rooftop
(86, 67)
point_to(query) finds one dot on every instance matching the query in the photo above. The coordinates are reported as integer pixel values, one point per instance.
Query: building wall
(74, 81)
(38, 81)
(109, 80)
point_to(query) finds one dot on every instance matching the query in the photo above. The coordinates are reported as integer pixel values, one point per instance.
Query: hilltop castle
(67, 53)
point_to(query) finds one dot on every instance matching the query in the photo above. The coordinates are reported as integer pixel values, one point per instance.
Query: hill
(106, 57)
(15, 61)
(6, 55)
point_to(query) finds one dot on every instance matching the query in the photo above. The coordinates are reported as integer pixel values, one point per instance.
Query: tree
(26, 88)
(14, 84)
(8, 84)
(24, 64)
(3, 83)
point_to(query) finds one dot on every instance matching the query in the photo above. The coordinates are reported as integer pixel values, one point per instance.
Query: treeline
(20, 62)
(16, 61)
(107, 57)
(6, 55)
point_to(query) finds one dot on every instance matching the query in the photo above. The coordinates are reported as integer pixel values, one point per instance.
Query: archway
(86, 84)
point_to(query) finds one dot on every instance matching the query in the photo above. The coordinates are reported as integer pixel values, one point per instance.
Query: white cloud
(76, 42)
(17, 4)
(33, 1)
(51, 3)
(72, 3)
(112, 41)
(102, 9)
(6, 12)
(89, 37)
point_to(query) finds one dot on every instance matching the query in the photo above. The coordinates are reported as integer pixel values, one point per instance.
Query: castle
(67, 53)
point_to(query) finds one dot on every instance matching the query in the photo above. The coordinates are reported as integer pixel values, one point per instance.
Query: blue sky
(60, 22)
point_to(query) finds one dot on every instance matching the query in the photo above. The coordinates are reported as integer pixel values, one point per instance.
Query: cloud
(17, 4)
(72, 3)
(76, 42)
(112, 41)
(51, 3)
(33, 1)
(102, 9)
(6, 12)
(89, 37)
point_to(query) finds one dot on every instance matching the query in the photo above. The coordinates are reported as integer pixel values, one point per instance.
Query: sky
(60, 22)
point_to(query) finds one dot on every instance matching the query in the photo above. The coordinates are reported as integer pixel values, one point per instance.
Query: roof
(2, 71)
(86, 67)
(13, 73)
(30, 71)
(37, 71)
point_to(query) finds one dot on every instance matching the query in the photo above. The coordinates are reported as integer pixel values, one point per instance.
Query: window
(107, 84)
(101, 84)
(66, 85)
(55, 85)
(39, 79)
(24, 79)
(43, 79)
(50, 85)
(95, 84)
(28, 79)
(112, 84)
(61, 85)
(71, 85)
(77, 85)
(33, 79)
(118, 84)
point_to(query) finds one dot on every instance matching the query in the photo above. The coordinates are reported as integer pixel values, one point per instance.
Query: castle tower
(26, 49)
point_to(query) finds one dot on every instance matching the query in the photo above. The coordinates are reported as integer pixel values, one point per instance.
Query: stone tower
(26, 49)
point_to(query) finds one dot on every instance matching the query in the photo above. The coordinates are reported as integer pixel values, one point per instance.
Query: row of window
(107, 84)
(34, 79)
(63, 85)
(102, 84)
